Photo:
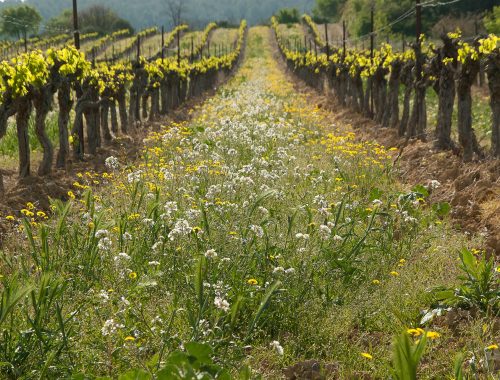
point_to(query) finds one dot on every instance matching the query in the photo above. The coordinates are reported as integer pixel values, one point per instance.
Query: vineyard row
(106, 98)
(370, 83)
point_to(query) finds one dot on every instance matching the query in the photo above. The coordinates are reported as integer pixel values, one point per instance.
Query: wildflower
(181, 228)
(122, 255)
(132, 275)
(302, 236)
(492, 347)
(170, 208)
(110, 327)
(290, 271)
(367, 355)
(211, 254)
(10, 218)
(377, 202)
(252, 281)
(101, 234)
(134, 176)
(434, 184)
(257, 230)
(415, 332)
(129, 339)
(112, 163)
(221, 304)
(432, 335)
(277, 347)
(71, 195)
(104, 244)
(279, 269)
(338, 238)
(324, 232)
(376, 282)
(394, 273)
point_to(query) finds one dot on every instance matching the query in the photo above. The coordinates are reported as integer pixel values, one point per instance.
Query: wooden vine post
(493, 72)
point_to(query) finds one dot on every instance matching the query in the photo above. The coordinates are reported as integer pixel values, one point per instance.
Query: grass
(256, 230)
(9, 146)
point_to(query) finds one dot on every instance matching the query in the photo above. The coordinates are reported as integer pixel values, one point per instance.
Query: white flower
(302, 236)
(122, 256)
(221, 304)
(290, 271)
(277, 347)
(338, 238)
(134, 176)
(324, 232)
(377, 202)
(257, 230)
(211, 254)
(101, 233)
(181, 228)
(110, 327)
(112, 163)
(279, 270)
(434, 184)
(166, 174)
(104, 244)
(127, 236)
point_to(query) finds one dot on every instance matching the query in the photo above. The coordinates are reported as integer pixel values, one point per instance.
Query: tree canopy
(96, 18)
(20, 20)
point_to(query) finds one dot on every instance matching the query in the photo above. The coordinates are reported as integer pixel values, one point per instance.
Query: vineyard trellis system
(118, 94)
(370, 83)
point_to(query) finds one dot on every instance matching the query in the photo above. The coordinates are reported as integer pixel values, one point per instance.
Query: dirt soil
(472, 189)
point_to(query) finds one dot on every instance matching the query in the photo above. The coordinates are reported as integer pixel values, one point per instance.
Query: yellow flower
(415, 332)
(11, 218)
(129, 339)
(492, 347)
(432, 335)
(376, 282)
(132, 275)
(394, 273)
(41, 214)
(30, 206)
(252, 281)
(366, 355)
(71, 195)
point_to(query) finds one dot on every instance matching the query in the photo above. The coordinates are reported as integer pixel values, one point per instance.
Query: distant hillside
(143, 13)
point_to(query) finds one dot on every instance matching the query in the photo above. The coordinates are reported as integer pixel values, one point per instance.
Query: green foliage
(288, 16)
(96, 18)
(406, 356)
(328, 9)
(480, 285)
(19, 21)
(492, 21)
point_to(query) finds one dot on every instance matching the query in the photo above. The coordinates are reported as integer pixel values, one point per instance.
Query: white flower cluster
(112, 163)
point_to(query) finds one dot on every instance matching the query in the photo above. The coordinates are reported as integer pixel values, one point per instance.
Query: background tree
(329, 9)
(96, 18)
(288, 16)
(20, 21)
(492, 21)
(176, 9)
